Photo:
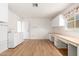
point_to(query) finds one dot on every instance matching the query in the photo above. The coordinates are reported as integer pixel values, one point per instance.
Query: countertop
(67, 38)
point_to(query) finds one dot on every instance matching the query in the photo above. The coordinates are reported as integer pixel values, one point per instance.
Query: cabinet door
(4, 45)
(0, 33)
(3, 38)
(4, 12)
(58, 43)
(4, 32)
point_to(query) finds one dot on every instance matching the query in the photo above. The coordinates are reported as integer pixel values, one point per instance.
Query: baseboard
(36, 39)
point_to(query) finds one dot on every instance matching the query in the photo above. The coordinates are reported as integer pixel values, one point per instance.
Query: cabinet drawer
(63, 40)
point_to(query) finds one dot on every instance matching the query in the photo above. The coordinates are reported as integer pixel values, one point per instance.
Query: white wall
(38, 28)
(4, 12)
(12, 21)
(63, 31)
(17, 37)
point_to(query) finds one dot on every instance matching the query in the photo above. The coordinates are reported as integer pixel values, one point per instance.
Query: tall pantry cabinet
(3, 37)
(3, 26)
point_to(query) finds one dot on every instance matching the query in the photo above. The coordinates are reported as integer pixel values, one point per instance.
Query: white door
(25, 29)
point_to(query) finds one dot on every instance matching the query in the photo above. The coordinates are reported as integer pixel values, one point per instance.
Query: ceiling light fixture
(35, 4)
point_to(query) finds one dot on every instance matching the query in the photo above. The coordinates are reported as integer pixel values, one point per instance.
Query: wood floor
(33, 48)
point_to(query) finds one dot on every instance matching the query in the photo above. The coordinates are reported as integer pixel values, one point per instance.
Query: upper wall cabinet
(58, 21)
(3, 12)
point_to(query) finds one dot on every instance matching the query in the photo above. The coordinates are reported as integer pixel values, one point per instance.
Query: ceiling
(44, 10)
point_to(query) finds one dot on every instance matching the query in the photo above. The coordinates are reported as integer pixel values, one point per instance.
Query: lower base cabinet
(59, 44)
(14, 39)
(3, 45)
(72, 50)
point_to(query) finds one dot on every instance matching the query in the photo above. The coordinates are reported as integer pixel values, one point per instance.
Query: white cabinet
(72, 50)
(58, 21)
(3, 12)
(51, 38)
(58, 43)
(14, 39)
(3, 37)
